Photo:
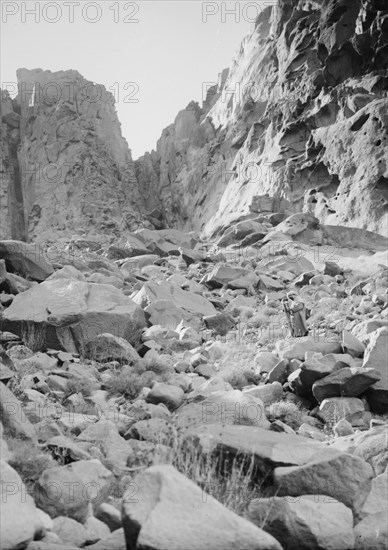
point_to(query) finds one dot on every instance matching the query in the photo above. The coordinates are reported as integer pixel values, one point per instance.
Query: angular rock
(171, 396)
(352, 345)
(13, 415)
(224, 408)
(372, 532)
(25, 259)
(169, 511)
(60, 492)
(348, 382)
(67, 314)
(371, 446)
(20, 520)
(70, 531)
(267, 393)
(220, 323)
(267, 448)
(298, 349)
(193, 303)
(376, 357)
(224, 274)
(106, 347)
(344, 477)
(333, 409)
(306, 523)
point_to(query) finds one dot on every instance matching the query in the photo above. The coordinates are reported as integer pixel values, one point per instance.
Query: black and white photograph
(194, 275)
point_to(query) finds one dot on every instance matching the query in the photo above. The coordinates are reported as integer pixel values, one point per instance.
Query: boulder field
(165, 390)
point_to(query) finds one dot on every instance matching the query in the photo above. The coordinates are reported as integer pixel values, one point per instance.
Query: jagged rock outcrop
(67, 168)
(302, 116)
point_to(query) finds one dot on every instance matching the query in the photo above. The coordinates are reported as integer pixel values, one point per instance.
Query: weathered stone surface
(76, 174)
(307, 523)
(107, 347)
(70, 531)
(269, 449)
(67, 314)
(333, 409)
(53, 494)
(169, 512)
(347, 382)
(171, 396)
(376, 357)
(297, 349)
(352, 345)
(371, 446)
(372, 532)
(16, 504)
(193, 303)
(25, 259)
(13, 415)
(344, 477)
(224, 408)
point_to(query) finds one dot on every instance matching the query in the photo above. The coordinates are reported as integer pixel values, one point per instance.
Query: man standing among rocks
(295, 311)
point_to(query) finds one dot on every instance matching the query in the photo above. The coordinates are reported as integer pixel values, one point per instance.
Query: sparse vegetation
(230, 481)
(82, 385)
(33, 335)
(28, 460)
(289, 413)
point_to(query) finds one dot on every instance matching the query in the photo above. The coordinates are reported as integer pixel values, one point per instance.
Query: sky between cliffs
(154, 55)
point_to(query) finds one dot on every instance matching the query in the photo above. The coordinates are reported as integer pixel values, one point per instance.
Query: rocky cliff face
(302, 116)
(67, 169)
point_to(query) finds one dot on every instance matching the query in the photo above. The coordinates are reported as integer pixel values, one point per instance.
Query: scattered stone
(70, 531)
(171, 396)
(343, 427)
(106, 347)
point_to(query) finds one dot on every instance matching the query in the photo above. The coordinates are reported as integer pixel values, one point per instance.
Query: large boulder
(107, 347)
(296, 349)
(170, 511)
(376, 357)
(66, 314)
(20, 520)
(371, 446)
(183, 299)
(344, 477)
(224, 408)
(25, 259)
(306, 523)
(347, 382)
(267, 448)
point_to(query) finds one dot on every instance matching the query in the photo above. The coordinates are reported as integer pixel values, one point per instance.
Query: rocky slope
(302, 116)
(165, 389)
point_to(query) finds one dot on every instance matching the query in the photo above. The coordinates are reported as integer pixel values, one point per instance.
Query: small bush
(229, 481)
(159, 365)
(28, 460)
(33, 335)
(79, 385)
(127, 382)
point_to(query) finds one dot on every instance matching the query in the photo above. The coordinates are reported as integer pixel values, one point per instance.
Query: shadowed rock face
(301, 117)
